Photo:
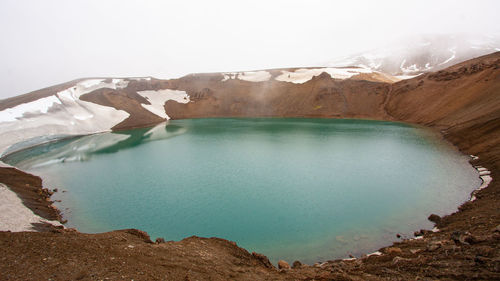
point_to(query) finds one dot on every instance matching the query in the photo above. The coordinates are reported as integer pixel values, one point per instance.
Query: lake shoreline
(459, 102)
(43, 207)
(403, 139)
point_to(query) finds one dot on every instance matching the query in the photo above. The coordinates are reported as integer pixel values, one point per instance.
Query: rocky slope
(461, 102)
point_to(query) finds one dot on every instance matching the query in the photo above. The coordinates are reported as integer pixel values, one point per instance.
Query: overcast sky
(48, 42)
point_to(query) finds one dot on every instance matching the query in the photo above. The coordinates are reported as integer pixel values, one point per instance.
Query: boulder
(393, 250)
(433, 246)
(296, 264)
(283, 264)
(415, 251)
(434, 218)
(139, 233)
(462, 238)
(263, 259)
(397, 260)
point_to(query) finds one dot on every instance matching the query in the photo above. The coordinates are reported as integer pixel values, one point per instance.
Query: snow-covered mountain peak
(422, 54)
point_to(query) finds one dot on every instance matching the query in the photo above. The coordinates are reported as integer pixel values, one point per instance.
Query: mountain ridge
(421, 54)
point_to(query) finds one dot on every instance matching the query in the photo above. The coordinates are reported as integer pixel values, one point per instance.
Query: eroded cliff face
(321, 96)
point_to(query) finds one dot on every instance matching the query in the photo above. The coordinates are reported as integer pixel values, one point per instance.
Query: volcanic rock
(263, 259)
(434, 218)
(393, 250)
(296, 264)
(433, 246)
(283, 265)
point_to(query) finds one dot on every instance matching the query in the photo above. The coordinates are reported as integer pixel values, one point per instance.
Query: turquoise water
(293, 189)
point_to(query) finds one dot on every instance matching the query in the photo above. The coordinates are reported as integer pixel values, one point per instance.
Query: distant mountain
(423, 54)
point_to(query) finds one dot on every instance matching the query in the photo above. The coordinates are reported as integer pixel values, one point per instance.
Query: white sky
(49, 42)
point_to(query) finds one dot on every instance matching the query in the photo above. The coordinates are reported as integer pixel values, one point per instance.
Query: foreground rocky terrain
(461, 102)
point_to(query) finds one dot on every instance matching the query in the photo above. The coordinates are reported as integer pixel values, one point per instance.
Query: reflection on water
(82, 148)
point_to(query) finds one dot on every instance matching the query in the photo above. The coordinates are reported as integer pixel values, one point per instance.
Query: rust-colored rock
(263, 259)
(393, 251)
(283, 265)
(297, 264)
(434, 218)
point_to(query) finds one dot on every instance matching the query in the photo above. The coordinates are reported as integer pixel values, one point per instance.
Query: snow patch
(82, 117)
(485, 176)
(60, 114)
(303, 75)
(374, 65)
(486, 181)
(402, 64)
(377, 253)
(90, 83)
(454, 53)
(484, 173)
(255, 76)
(139, 78)
(404, 77)
(158, 99)
(229, 75)
(411, 68)
(251, 76)
(14, 216)
(39, 106)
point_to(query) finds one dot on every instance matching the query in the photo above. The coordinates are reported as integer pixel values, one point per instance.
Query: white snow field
(14, 216)
(251, 76)
(61, 114)
(303, 75)
(158, 99)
